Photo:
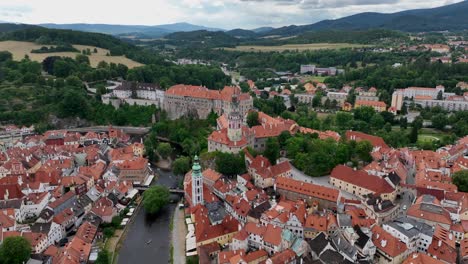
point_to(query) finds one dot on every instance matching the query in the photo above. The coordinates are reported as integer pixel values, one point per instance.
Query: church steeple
(197, 182)
(234, 120)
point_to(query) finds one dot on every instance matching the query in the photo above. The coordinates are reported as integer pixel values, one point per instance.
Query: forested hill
(46, 36)
(8, 27)
(449, 17)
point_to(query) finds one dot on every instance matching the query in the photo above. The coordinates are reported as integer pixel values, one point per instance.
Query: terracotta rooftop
(361, 178)
(421, 258)
(386, 242)
(359, 136)
(87, 232)
(428, 207)
(308, 189)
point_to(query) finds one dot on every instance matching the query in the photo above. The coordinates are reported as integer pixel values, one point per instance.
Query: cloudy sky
(227, 14)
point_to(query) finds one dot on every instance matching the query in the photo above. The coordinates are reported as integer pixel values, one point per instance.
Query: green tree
(387, 127)
(164, 149)
(439, 121)
(73, 104)
(272, 150)
(317, 100)
(103, 257)
(363, 150)
(460, 179)
(440, 95)
(155, 198)
(327, 103)
(413, 135)
(181, 165)
(343, 120)
(364, 113)
(252, 119)
(404, 109)
(82, 59)
(377, 121)
(230, 164)
(15, 250)
(244, 87)
(403, 123)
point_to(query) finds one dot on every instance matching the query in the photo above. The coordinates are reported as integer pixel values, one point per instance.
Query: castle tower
(234, 120)
(197, 183)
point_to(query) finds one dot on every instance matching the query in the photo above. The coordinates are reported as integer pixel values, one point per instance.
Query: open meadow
(298, 47)
(21, 48)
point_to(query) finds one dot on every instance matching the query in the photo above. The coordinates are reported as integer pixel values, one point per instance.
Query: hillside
(241, 33)
(449, 17)
(153, 31)
(19, 49)
(201, 38)
(8, 27)
(114, 46)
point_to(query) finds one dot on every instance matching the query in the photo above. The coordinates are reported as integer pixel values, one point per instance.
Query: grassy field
(424, 137)
(21, 48)
(299, 47)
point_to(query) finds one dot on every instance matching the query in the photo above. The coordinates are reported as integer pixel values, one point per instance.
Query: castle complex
(199, 101)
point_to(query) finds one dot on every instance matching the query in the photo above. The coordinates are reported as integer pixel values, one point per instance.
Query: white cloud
(215, 13)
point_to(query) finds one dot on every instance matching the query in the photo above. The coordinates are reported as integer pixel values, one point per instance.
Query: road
(405, 202)
(127, 129)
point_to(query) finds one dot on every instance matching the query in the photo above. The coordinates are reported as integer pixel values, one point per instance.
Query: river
(135, 250)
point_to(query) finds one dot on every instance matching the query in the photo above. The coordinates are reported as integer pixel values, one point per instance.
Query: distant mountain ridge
(449, 17)
(159, 30)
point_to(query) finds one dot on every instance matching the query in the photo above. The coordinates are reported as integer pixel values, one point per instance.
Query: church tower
(234, 120)
(197, 182)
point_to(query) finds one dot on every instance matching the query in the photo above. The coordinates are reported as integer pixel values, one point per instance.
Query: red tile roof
(64, 198)
(221, 137)
(421, 258)
(64, 216)
(87, 232)
(362, 179)
(272, 235)
(431, 211)
(205, 93)
(319, 222)
(283, 257)
(10, 191)
(359, 136)
(464, 247)
(386, 242)
(442, 250)
(211, 175)
(252, 228)
(370, 103)
(309, 189)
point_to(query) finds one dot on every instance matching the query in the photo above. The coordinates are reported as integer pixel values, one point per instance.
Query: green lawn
(428, 137)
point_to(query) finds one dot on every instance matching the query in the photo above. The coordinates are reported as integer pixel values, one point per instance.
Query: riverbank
(115, 242)
(155, 228)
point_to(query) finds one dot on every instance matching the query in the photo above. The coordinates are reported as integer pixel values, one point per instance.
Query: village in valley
(343, 141)
(65, 190)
